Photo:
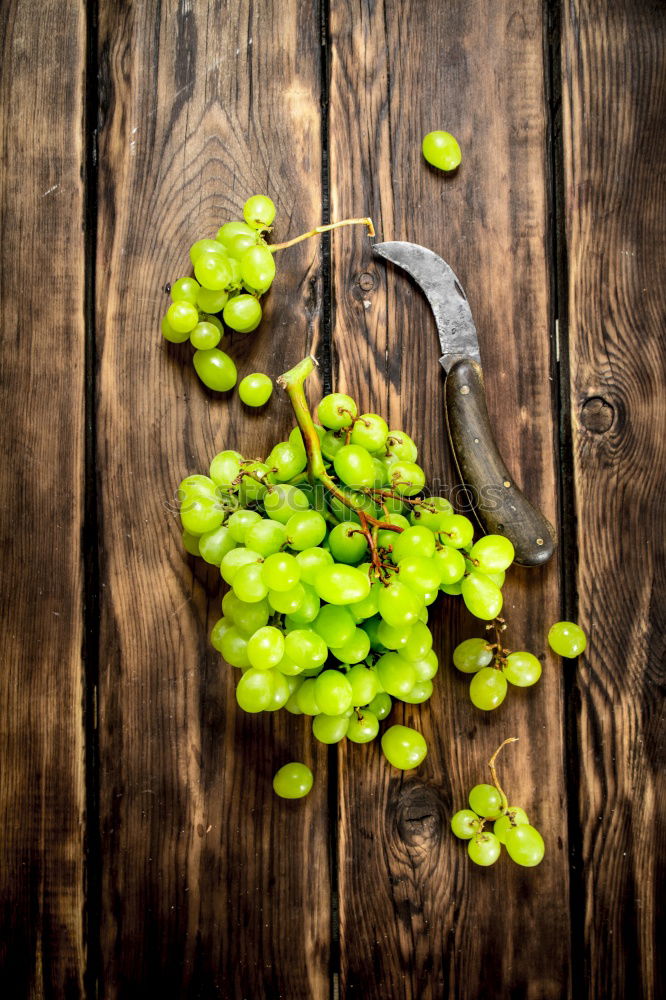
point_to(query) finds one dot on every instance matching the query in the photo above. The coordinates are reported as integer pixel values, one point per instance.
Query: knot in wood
(419, 815)
(597, 415)
(366, 281)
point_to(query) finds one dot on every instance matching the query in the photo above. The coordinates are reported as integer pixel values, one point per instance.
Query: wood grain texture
(417, 918)
(212, 886)
(42, 948)
(614, 107)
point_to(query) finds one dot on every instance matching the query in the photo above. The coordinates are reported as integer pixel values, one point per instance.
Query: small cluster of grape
(231, 273)
(494, 668)
(511, 827)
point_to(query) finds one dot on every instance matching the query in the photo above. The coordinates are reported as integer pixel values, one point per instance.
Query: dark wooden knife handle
(500, 506)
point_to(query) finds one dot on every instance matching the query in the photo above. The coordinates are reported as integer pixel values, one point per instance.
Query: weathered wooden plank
(417, 918)
(212, 886)
(614, 107)
(42, 785)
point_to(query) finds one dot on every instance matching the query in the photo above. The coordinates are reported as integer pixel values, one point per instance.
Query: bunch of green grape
(511, 827)
(331, 575)
(231, 273)
(494, 668)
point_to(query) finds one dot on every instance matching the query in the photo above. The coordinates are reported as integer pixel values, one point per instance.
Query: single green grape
(487, 689)
(218, 631)
(184, 290)
(212, 271)
(196, 486)
(484, 849)
(502, 825)
(441, 150)
(370, 431)
(330, 728)
(354, 466)
(305, 698)
(393, 636)
(259, 212)
(471, 655)
(451, 565)
(381, 705)
(420, 693)
(567, 639)
(331, 443)
(486, 801)
(465, 824)
(248, 617)
(205, 336)
(215, 369)
(525, 845)
(281, 572)
(225, 468)
(426, 668)
(205, 246)
(173, 336)
(191, 544)
(355, 649)
(255, 389)
(182, 317)
(266, 536)
(414, 541)
(364, 684)
(492, 553)
(305, 530)
(400, 447)
(406, 478)
(522, 669)
(334, 624)
(233, 647)
(212, 300)
(482, 597)
(396, 675)
(265, 648)
(347, 543)
(339, 584)
(242, 313)
(239, 523)
(230, 230)
(404, 747)
(282, 500)
(249, 584)
(305, 647)
(257, 268)
(214, 545)
(312, 561)
(286, 460)
(254, 690)
(333, 692)
(201, 514)
(337, 410)
(363, 728)
(418, 644)
(398, 604)
(420, 574)
(293, 781)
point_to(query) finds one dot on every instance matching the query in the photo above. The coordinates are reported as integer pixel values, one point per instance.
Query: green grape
(182, 317)
(487, 689)
(191, 544)
(368, 606)
(426, 668)
(205, 336)
(355, 649)
(392, 636)
(241, 243)
(492, 553)
(400, 446)
(306, 530)
(211, 300)
(380, 474)
(337, 410)
(522, 669)
(205, 246)
(305, 698)
(456, 530)
(414, 542)
(334, 624)
(502, 825)
(242, 313)
(331, 443)
(385, 538)
(305, 647)
(403, 747)
(330, 728)
(333, 692)
(292, 704)
(421, 692)
(254, 690)
(265, 648)
(196, 486)
(184, 290)
(233, 646)
(370, 431)
(486, 801)
(363, 728)
(429, 515)
(484, 849)
(454, 589)
(257, 268)
(255, 389)
(364, 684)
(420, 574)
(354, 466)
(471, 655)
(281, 571)
(311, 562)
(240, 521)
(406, 478)
(259, 212)
(450, 563)
(219, 630)
(339, 584)
(214, 545)
(287, 667)
(441, 150)
(201, 514)
(525, 845)
(283, 500)
(249, 584)
(419, 643)
(235, 560)
(398, 605)
(482, 597)
(308, 610)
(293, 781)
(227, 233)
(429, 597)
(396, 675)
(287, 602)
(286, 460)
(215, 369)
(281, 692)
(173, 336)
(225, 467)
(247, 617)
(381, 705)
(266, 536)
(465, 824)
(250, 489)
(347, 543)
(212, 271)
(567, 639)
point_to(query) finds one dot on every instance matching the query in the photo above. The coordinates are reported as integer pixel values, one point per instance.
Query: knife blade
(499, 505)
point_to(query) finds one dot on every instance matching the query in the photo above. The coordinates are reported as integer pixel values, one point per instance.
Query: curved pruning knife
(499, 505)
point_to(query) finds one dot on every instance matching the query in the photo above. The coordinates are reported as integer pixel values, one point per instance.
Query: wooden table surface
(141, 846)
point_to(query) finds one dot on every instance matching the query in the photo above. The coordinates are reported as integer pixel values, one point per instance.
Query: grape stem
(323, 229)
(499, 625)
(493, 772)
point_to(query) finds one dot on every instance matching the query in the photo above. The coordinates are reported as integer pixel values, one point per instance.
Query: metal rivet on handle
(507, 483)
(539, 541)
(464, 390)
